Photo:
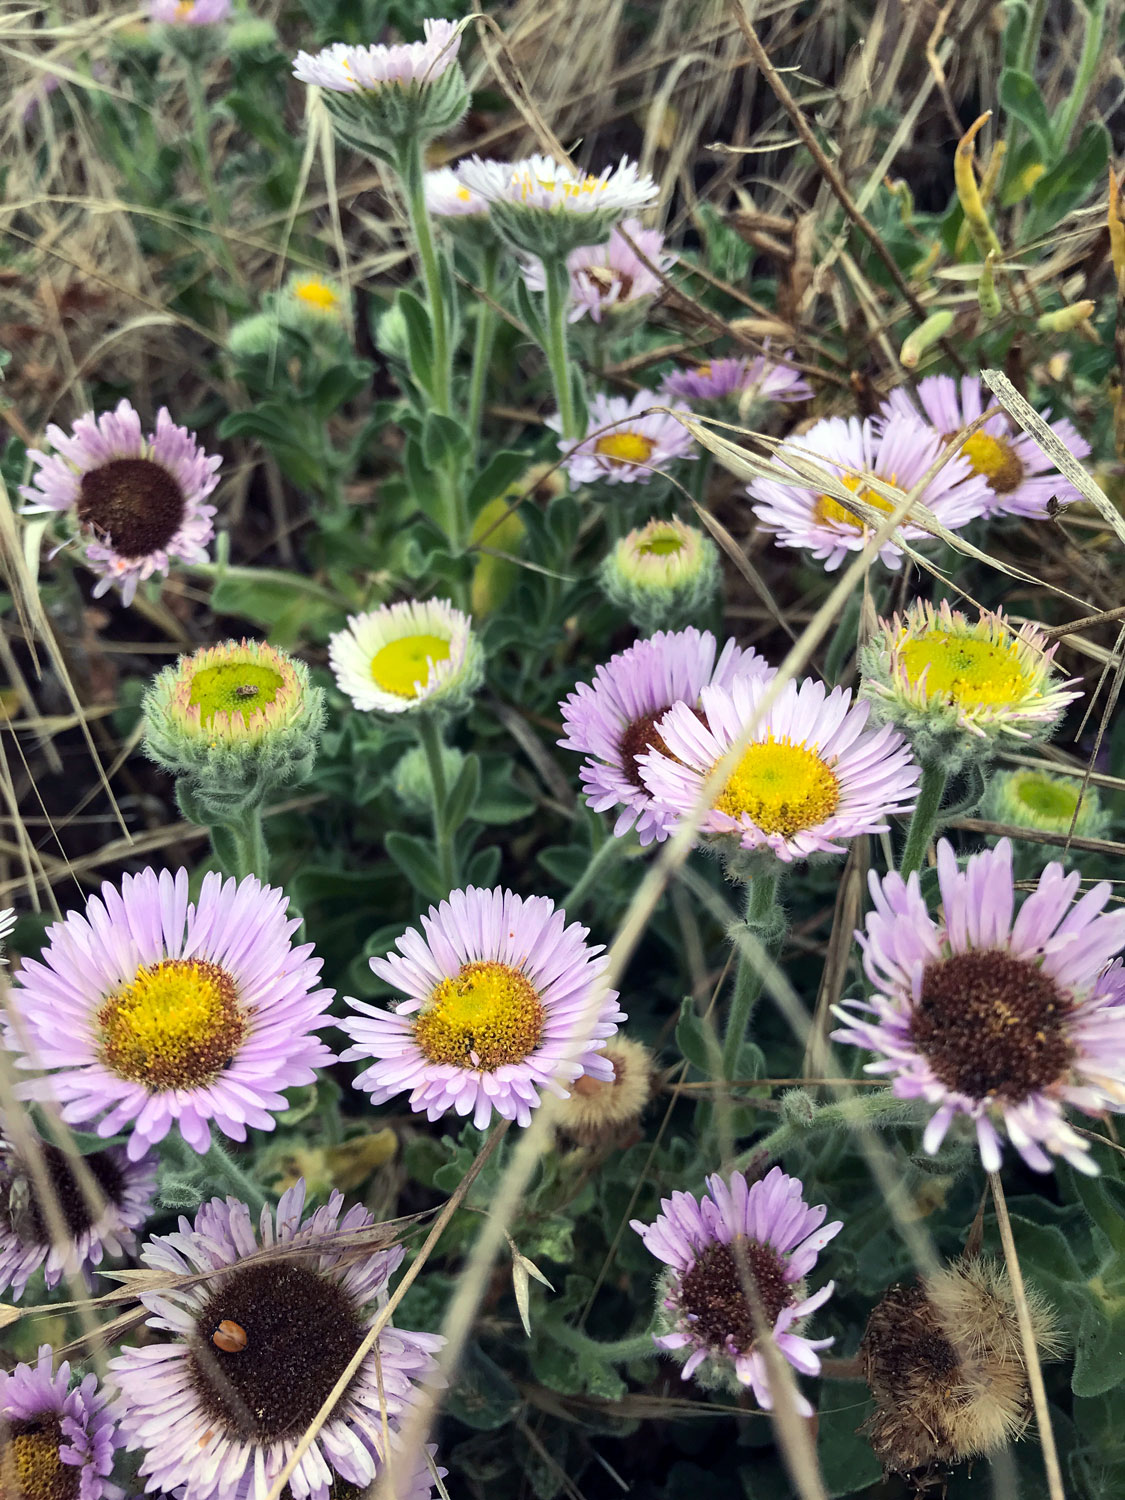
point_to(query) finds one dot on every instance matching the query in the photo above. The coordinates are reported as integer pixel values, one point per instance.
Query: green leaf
(1099, 1350)
(484, 867)
(290, 608)
(1020, 97)
(847, 1463)
(1079, 173)
(340, 384)
(443, 440)
(416, 859)
(567, 865)
(502, 469)
(419, 338)
(694, 1041)
(482, 1396)
(461, 801)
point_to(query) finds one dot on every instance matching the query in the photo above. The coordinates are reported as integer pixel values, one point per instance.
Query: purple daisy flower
(606, 278)
(503, 1000)
(811, 774)
(49, 1430)
(720, 379)
(158, 1011)
(99, 1216)
(259, 1342)
(622, 446)
(759, 1237)
(188, 12)
(898, 452)
(135, 499)
(612, 721)
(1021, 479)
(1000, 1016)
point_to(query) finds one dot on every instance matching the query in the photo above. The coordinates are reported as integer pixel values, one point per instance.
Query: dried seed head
(598, 1111)
(945, 1364)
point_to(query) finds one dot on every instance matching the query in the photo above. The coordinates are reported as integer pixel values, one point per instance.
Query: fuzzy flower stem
(220, 1170)
(607, 1352)
(868, 1111)
(413, 175)
(924, 820)
(602, 859)
(1027, 1337)
(482, 342)
(557, 294)
(429, 737)
(761, 905)
(240, 847)
(216, 209)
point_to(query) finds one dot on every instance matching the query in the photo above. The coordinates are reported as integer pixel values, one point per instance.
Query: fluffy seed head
(599, 1110)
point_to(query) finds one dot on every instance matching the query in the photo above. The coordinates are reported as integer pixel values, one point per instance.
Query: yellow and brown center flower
(488, 1015)
(176, 1025)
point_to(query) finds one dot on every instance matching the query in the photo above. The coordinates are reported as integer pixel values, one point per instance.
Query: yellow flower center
(624, 448)
(661, 544)
(176, 1025)
(1047, 801)
(316, 294)
(233, 687)
(781, 787)
(185, 10)
(965, 669)
(30, 1466)
(529, 184)
(464, 195)
(996, 460)
(828, 509)
(703, 371)
(402, 667)
(489, 1015)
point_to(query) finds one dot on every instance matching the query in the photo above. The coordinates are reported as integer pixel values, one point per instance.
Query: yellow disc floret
(1049, 801)
(487, 1016)
(176, 1025)
(828, 509)
(967, 670)
(31, 1469)
(625, 447)
(316, 294)
(661, 542)
(782, 788)
(233, 687)
(403, 666)
(996, 460)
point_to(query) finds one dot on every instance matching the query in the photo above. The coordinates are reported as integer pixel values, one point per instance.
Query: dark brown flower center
(637, 739)
(713, 1294)
(992, 1026)
(30, 1466)
(915, 1376)
(301, 1330)
(604, 279)
(132, 502)
(21, 1207)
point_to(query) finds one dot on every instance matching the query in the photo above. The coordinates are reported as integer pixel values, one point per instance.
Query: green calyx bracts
(384, 122)
(662, 575)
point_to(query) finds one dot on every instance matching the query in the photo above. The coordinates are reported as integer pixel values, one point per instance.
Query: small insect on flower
(230, 1337)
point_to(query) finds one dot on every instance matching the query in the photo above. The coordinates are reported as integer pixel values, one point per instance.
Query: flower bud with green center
(234, 721)
(960, 690)
(1047, 804)
(662, 575)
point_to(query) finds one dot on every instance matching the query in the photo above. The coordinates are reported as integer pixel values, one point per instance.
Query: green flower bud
(411, 780)
(253, 337)
(234, 721)
(1046, 803)
(661, 575)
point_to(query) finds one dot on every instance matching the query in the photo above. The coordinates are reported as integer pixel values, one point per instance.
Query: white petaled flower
(504, 1001)
(1021, 479)
(812, 774)
(135, 500)
(898, 453)
(447, 197)
(606, 278)
(353, 70)
(545, 208)
(408, 657)
(625, 443)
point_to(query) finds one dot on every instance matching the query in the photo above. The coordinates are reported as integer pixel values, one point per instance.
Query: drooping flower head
(812, 775)
(383, 98)
(504, 999)
(661, 574)
(1051, 804)
(408, 657)
(546, 209)
(898, 453)
(239, 719)
(258, 1345)
(945, 1363)
(1000, 1016)
(188, 12)
(135, 500)
(622, 445)
(960, 688)
(758, 379)
(98, 1211)
(602, 1111)
(738, 1259)
(608, 278)
(155, 1011)
(612, 721)
(56, 1443)
(1021, 479)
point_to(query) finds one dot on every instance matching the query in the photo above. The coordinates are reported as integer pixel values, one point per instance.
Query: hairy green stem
(429, 737)
(222, 1169)
(875, 1110)
(201, 140)
(615, 1352)
(761, 900)
(557, 279)
(925, 817)
(240, 847)
(605, 856)
(413, 176)
(1094, 21)
(482, 343)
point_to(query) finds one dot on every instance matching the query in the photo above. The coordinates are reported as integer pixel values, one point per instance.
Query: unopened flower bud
(661, 575)
(413, 785)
